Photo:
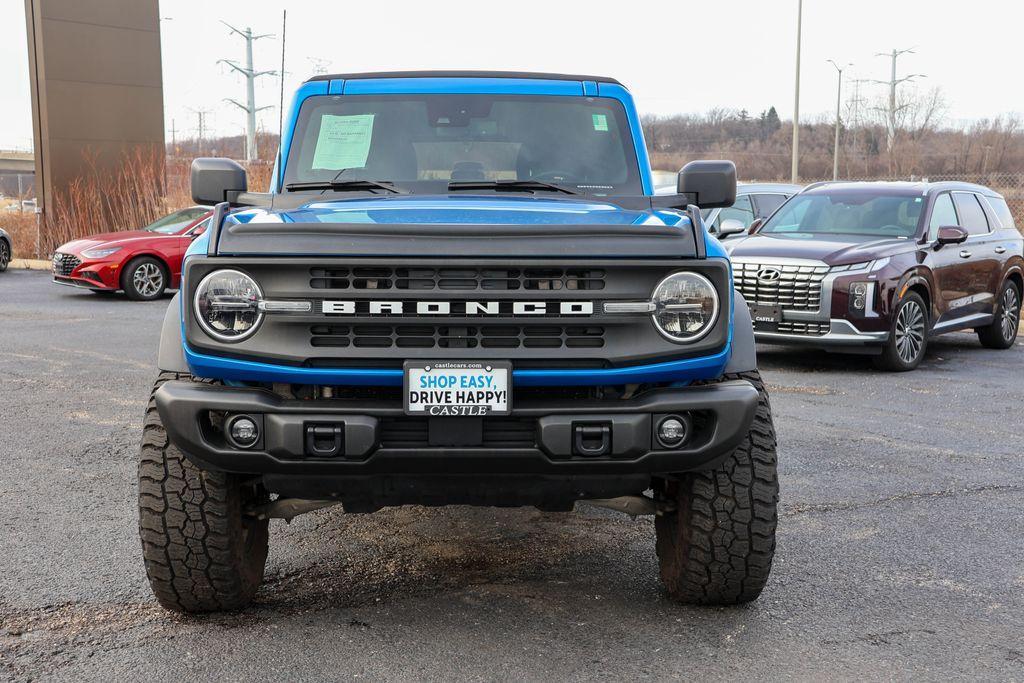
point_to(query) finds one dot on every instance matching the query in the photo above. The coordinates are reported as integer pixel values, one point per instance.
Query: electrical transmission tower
(251, 75)
(318, 65)
(892, 83)
(201, 116)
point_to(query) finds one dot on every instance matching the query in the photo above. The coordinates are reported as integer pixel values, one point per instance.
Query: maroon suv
(881, 267)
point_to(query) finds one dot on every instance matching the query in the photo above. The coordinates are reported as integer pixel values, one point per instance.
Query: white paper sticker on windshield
(343, 142)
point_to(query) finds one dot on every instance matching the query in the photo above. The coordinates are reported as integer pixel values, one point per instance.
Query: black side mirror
(951, 234)
(213, 178)
(712, 184)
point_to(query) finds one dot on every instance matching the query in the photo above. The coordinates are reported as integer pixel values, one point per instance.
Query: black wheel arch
(919, 281)
(171, 356)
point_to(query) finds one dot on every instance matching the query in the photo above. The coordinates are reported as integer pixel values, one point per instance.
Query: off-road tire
(128, 279)
(202, 553)
(994, 336)
(891, 359)
(5, 254)
(716, 546)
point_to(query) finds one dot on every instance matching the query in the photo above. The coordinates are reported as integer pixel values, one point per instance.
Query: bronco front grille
(538, 313)
(790, 287)
(458, 337)
(469, 279)
(65, 264)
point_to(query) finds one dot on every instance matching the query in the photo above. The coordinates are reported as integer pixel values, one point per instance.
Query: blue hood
(461, 209)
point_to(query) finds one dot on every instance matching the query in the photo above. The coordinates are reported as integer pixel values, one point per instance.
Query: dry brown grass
(145, 187)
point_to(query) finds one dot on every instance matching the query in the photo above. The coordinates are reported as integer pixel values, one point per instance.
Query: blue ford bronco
(461, 289)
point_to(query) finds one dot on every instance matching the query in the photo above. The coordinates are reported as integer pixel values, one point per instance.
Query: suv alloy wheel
(908, 337)
(1003, 331)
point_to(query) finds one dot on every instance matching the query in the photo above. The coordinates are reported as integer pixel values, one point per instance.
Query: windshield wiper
(528, 185)
(346, 186)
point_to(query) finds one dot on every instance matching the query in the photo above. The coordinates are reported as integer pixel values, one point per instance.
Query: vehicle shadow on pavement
(411, 551)
(965, 346)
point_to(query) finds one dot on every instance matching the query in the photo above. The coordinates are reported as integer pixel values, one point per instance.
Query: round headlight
(685, 307)
(227, 305)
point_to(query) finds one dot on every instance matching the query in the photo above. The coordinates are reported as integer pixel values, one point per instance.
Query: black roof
(463, 74)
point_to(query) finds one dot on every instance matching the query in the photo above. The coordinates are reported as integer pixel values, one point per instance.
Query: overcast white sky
(681, 56)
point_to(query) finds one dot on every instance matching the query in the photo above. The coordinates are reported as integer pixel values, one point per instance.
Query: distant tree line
(921, 143)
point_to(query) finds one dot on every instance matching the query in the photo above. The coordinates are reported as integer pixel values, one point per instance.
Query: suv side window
(742, 210)
(1002, 212)
(767, 203)
(972, 216)
(943, 214)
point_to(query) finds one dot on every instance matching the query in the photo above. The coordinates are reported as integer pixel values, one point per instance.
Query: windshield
(175, 222)
(423, 142)
(848, 212)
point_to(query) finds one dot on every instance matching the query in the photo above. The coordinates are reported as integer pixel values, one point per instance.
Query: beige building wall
(97, 89)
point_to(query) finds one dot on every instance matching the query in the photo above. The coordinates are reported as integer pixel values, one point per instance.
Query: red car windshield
(175, 222)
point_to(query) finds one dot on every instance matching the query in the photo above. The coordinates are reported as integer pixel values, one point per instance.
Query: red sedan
(143, 263)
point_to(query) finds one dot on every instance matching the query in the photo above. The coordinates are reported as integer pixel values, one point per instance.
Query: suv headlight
(227, 305)
(685, 307)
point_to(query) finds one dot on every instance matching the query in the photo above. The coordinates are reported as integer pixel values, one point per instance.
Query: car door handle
(1000, 250)
(965, 254)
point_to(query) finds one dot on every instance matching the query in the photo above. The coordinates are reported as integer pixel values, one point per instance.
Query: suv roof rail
(463, 74)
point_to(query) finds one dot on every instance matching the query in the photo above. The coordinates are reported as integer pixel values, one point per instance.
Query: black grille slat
(458, 337)
(458, 279)
(413, 432)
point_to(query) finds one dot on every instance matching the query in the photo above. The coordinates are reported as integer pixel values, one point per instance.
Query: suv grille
(65, 264)
(458, 337)
(796, 288)
(810, 329)
(469, 279)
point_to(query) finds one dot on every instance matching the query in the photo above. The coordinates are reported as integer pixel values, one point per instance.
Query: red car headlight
(100, 252)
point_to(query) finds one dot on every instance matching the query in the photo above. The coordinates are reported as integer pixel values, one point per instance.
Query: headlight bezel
(205, 326)
(716, 308)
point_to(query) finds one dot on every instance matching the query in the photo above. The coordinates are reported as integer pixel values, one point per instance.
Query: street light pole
(839, 102)
(796, 98)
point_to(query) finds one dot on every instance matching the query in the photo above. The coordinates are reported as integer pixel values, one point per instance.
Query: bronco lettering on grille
(466, 308)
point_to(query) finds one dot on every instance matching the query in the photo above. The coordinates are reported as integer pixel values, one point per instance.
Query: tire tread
(190, 525)
(717, 547)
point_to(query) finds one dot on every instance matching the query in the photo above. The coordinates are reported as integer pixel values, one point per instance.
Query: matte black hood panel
(447, 240)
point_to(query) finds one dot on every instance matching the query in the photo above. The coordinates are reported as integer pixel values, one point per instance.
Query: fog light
(672, 431)
(244, 432)
(858, 295)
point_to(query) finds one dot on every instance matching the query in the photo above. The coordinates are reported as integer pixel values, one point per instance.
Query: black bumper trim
(184, 406)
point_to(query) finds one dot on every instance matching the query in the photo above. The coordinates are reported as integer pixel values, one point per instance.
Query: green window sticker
(600, 122)
(343, 142)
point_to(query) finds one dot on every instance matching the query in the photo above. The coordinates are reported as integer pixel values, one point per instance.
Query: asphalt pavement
(899, 548)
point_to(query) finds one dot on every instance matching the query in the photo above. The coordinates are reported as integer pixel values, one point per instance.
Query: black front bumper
(544, 456)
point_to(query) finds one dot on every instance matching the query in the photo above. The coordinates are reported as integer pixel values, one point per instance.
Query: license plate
(765, 314)
(458, 388)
